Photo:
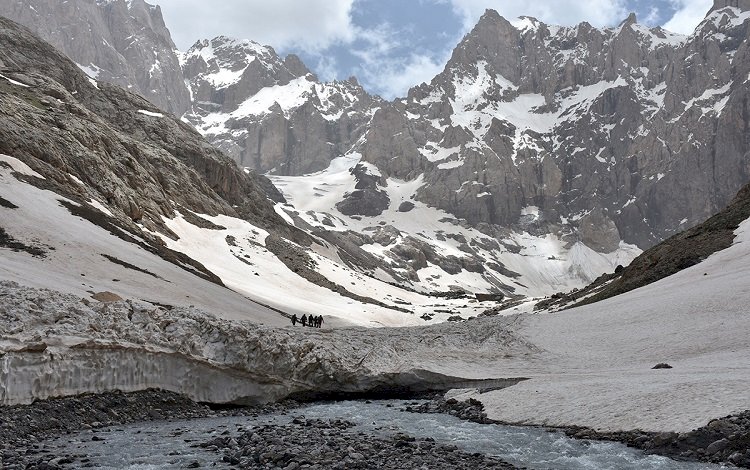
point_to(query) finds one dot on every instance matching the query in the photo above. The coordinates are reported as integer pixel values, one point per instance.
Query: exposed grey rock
(406, 206)
(367, 199)
(599, 232)
(288, 138)
(639, 148)
(141, 166)
(121, 42)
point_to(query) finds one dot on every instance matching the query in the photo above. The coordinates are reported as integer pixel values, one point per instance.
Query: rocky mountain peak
(494, 40)
(629, 21)
(295, 65)
(224, 71)
(271, 113)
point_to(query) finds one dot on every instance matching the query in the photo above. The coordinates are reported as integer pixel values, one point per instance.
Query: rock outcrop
(115, 41)
(100, 142)
(272, 114)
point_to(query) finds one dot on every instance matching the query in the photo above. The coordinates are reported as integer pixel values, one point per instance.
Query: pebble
(313, 443)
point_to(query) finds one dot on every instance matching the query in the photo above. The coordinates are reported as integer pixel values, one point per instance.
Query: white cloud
(384, 67)
(688, 15)
(392, 78)
(309, 25)
(652, 19)
(564, 12)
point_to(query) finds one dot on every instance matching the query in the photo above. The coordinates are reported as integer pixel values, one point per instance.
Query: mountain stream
(172, 444)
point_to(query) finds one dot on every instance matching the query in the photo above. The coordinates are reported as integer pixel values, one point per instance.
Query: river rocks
(328, 444)
(22, 428)
(723, 440)
(469, 410)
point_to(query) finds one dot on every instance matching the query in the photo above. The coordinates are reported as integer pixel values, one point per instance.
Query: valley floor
(588, 366)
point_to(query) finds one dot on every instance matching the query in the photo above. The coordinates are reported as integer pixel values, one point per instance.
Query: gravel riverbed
(301, 442)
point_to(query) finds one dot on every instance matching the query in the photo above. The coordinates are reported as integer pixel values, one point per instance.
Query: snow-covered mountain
(541, 157)
(272, 114)
(105, 197)
(102, 192)
(626, 134)
(557, 152)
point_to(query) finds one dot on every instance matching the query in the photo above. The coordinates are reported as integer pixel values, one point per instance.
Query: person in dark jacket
(294, 319)
(304, 320)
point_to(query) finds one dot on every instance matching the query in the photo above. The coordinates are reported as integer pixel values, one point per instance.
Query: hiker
(304, 320)
(294, 319)
(320, 321)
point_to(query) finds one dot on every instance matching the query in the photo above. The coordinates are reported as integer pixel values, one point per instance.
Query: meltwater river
(169, 444)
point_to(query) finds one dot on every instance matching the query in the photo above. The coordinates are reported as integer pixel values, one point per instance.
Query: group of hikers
(315, 322)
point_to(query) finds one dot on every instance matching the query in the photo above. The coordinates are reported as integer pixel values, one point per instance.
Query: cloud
(392, 77)
(652, 18)
(688, 15)
(309, 25)
(565, 12)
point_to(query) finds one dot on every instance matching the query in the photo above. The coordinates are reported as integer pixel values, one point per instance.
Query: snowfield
(545, 264)
(74, 259)
(599, 374)
(587, 366)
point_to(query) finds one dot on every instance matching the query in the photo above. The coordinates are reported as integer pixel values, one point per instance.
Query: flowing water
(158, 445)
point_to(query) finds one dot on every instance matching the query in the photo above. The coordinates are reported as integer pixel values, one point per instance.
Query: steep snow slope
(83, 259)
(515, 262)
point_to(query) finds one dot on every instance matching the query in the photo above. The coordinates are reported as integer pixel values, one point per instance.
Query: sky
(392, 45)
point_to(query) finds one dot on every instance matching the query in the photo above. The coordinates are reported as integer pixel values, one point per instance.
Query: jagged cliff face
(622, 134)
(617, 134)
(272, 114)
(115, 41)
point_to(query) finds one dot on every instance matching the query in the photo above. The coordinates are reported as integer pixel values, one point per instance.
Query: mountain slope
(623, 134)
(158, 190)
(556, 152)
(114, 41)
(89, 171)
(566, 145)
(272, 114)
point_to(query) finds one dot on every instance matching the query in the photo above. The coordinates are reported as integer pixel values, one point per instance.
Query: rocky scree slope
(115, 41)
